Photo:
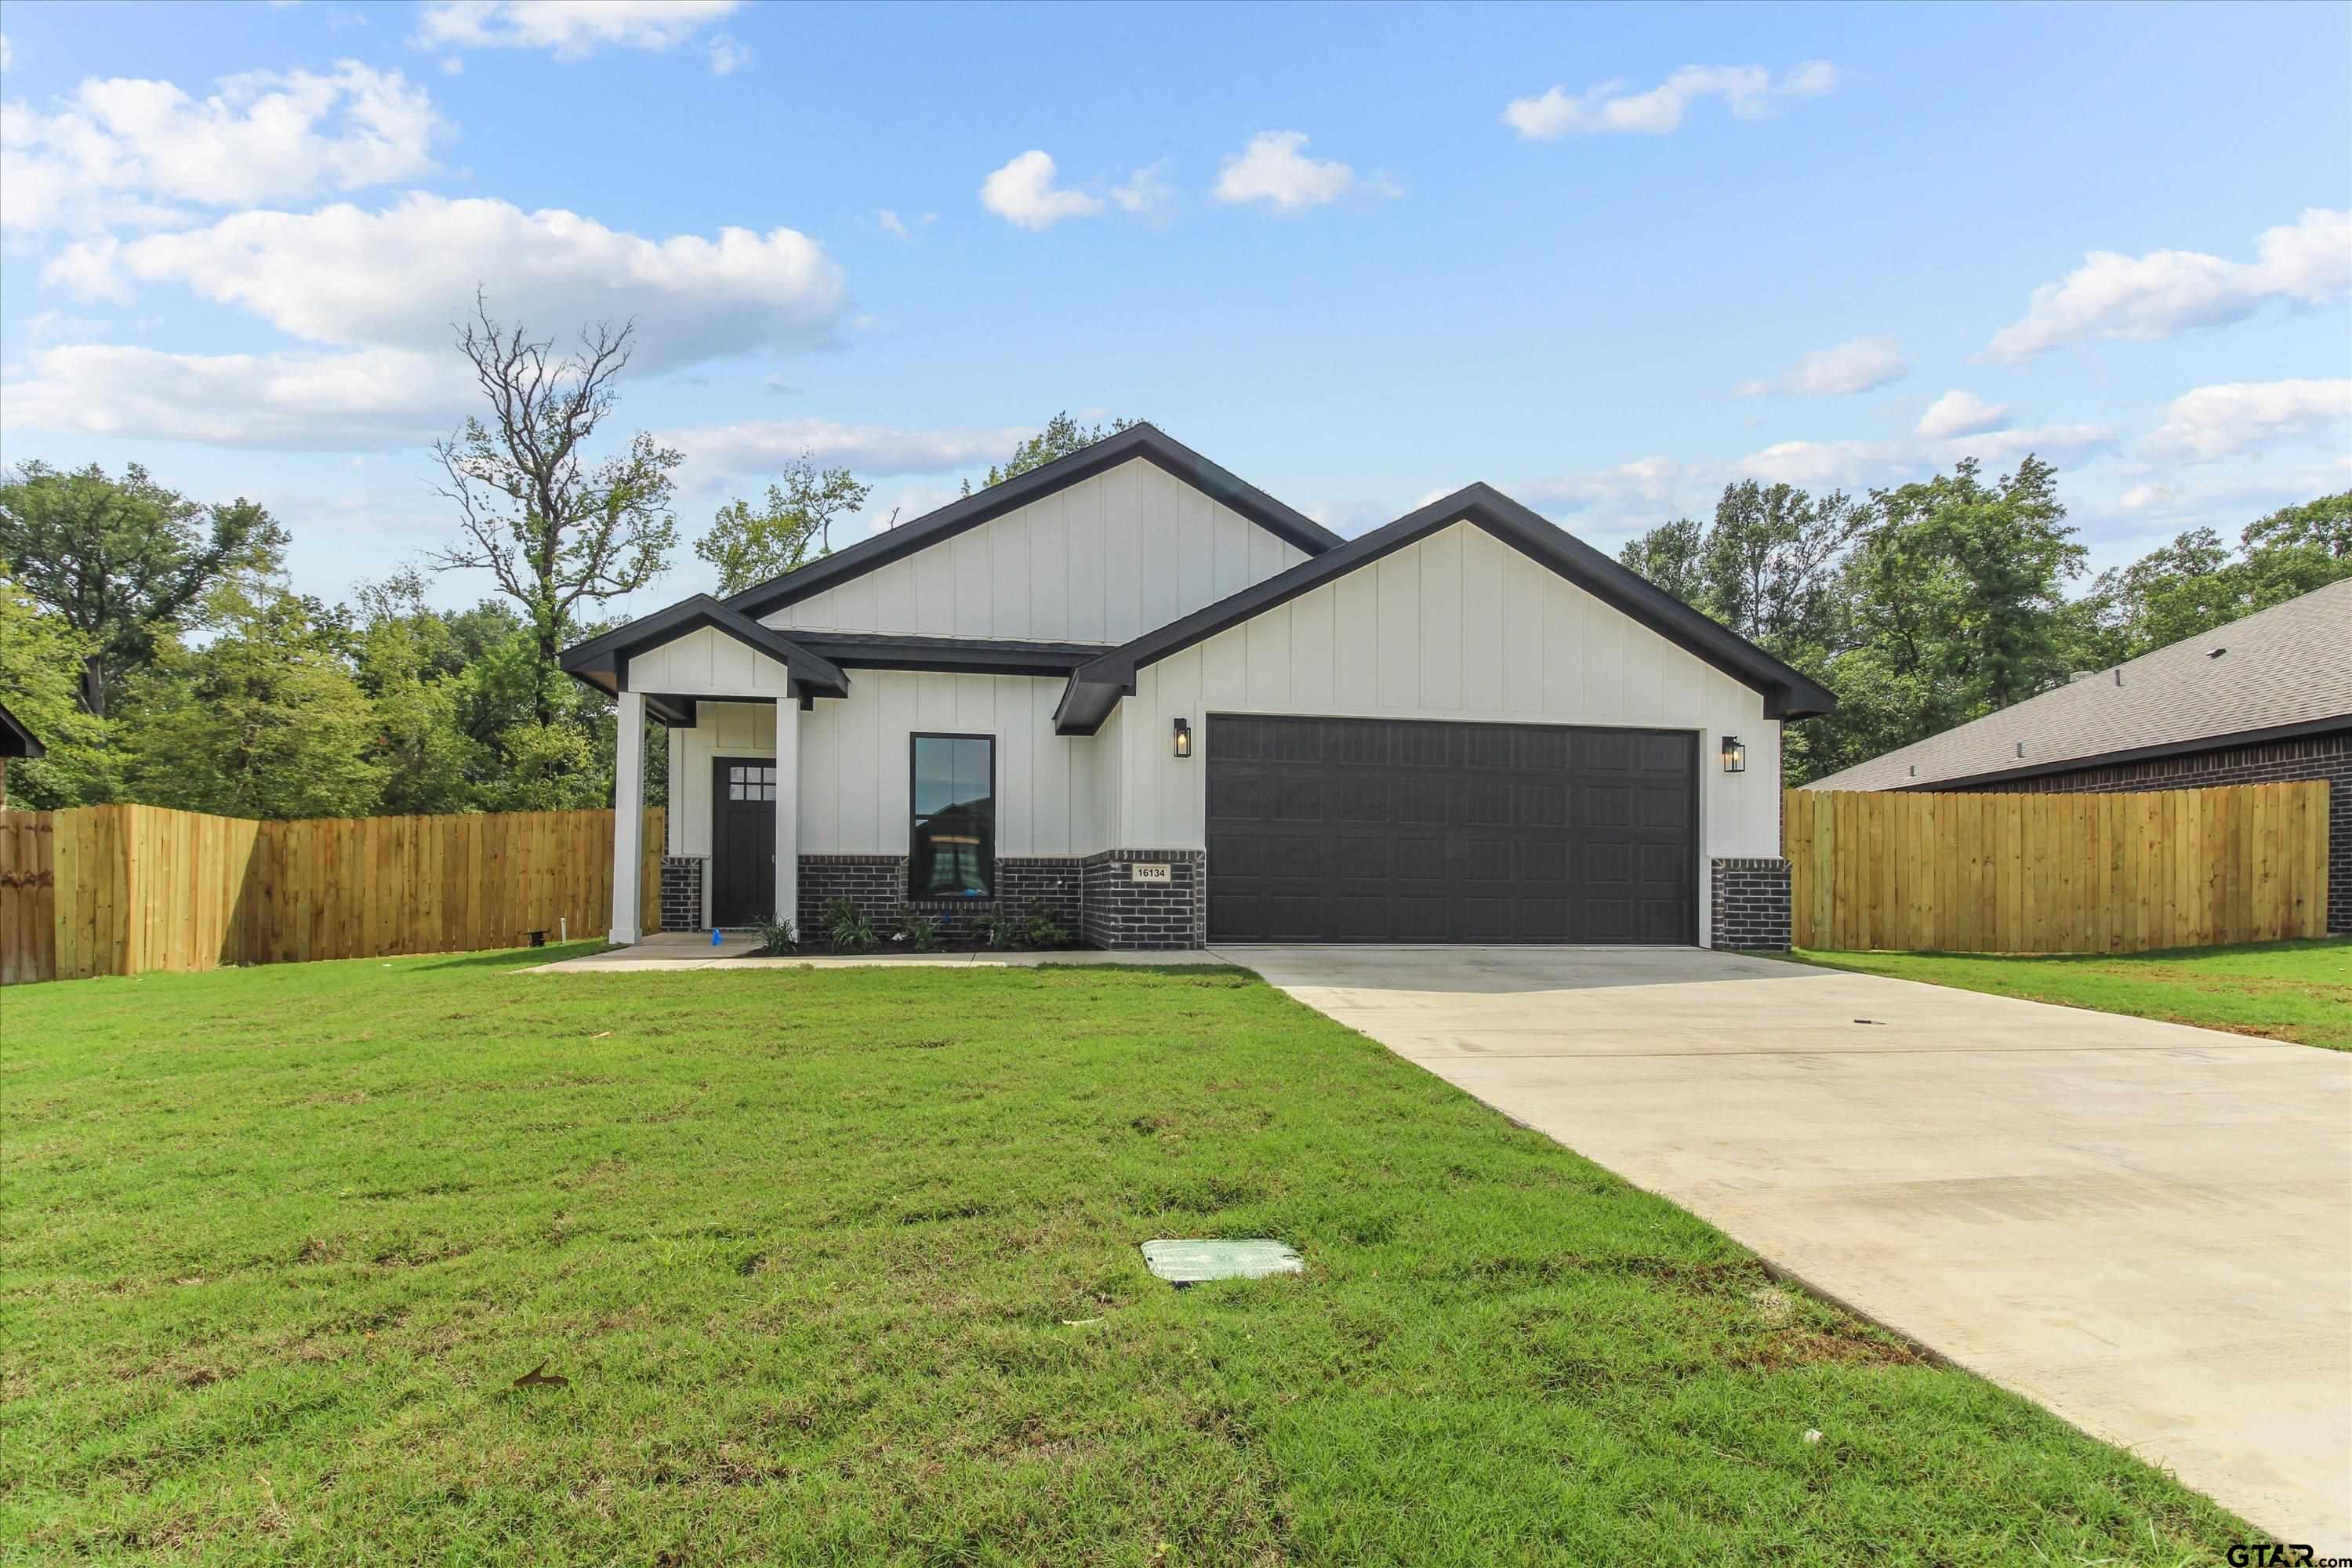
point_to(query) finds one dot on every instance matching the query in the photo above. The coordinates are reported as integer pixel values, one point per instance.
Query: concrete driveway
(2144, 1227)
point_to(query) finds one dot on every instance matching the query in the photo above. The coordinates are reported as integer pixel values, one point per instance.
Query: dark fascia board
(963, 655)
(16, 740)
(2342, 722)
(603, 661)
(1143, 441)
(1095, 689)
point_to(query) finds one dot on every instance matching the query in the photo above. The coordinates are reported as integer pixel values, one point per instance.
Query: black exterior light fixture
(1734, 755)
(1183, 737)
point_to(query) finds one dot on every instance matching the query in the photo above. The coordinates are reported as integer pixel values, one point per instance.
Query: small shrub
(777, 937)
(1003, 928)
(1038, 928)
(922, 931)
(846, 926)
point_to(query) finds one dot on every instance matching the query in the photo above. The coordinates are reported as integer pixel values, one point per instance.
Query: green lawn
(842, 1268)
(2286, 990)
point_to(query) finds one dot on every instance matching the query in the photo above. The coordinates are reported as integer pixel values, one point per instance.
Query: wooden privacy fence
(123, 890)
(2057, 873)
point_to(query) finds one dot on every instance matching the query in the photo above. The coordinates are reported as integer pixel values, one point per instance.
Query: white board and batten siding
(1106, 559)
(1459, 626)
(854, 760)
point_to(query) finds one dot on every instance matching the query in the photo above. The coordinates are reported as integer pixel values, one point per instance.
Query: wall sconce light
(1183, 737)
(1734, 755)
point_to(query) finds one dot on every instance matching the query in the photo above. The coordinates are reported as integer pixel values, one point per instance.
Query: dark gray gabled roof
(1143, 441)
(16, 740)
(603, 661)
(1096, 688)
(2286, 670)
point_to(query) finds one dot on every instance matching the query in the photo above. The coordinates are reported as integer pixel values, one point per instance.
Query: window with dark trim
(951, 851)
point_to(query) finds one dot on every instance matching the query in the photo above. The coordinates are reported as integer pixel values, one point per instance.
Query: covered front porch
(700, 661)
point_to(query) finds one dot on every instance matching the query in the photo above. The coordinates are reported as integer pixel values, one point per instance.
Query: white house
(1132, 688)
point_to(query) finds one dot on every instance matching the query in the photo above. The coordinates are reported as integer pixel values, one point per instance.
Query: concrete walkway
(2144, 1227)
(676, 950)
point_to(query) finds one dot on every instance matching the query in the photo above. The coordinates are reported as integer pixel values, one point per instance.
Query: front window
(951, 852)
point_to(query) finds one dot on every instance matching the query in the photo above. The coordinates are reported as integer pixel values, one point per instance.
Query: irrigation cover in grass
(1190, 1261)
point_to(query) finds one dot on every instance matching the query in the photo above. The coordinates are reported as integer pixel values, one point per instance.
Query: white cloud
(1859, 364)
(2141, 497)
(1644, 480)
(371, 400)
(2111, 295)
(716, 453)
(1958, 413)
(1749, 91)
(125, 150)
(7, 52)
(1146, 193)
(1274, 168)
(398, 278)
(1858, 463)
(2221, 421)
(728, 56)
(569, 29)
(1022, 193)
(891, 223)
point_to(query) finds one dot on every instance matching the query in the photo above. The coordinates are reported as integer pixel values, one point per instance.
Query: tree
(1670, 556)
(263, 721)
(1061, 436)
(1951, 606)
(41, 666)
(750, 547)
(125, 561)
(2197, 582)
(553, 530)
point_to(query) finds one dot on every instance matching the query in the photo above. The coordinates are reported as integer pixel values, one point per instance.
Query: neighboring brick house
(2262, 699)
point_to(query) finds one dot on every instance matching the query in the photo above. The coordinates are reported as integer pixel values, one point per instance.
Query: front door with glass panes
(743, 840)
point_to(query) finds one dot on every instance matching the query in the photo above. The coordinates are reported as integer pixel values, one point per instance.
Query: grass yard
(842, 1268)
(2298, 991)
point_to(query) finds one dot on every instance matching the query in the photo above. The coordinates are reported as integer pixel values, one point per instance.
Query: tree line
(1928, 605)
(154, 643)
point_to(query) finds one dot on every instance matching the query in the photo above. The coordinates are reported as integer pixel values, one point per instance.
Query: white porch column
(788, 810)
(629, 812)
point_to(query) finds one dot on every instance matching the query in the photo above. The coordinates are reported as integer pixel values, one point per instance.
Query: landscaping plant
(848, 927)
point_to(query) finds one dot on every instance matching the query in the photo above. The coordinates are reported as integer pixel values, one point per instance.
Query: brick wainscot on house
(2263, 700)
(1130, 687)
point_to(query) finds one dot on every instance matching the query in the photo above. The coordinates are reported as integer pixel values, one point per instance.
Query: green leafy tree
(41, 657)
(1671, 556)
(264, 720)
(125, 561)
(748, 546)
(1953, 605)
(2197, 582)
(555, 530)
(1061, 436)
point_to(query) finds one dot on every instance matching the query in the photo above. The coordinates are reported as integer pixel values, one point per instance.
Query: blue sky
(1605, 258)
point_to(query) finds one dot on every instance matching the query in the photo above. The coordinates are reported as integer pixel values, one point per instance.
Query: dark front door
(743, 840)
(1405, 831)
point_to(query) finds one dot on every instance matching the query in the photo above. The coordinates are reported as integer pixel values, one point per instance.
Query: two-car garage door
(1408, 831)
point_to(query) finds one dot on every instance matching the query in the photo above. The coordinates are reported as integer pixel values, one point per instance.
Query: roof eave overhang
(2121, 758)
(1787, 693)
(603, 661)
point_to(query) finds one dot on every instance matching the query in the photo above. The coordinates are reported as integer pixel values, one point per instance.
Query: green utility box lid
(1189, 1262)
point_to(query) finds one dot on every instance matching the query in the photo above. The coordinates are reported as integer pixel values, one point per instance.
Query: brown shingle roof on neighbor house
(2287, 670)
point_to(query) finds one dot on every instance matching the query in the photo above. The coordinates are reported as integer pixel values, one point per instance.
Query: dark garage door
(1389, 830)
